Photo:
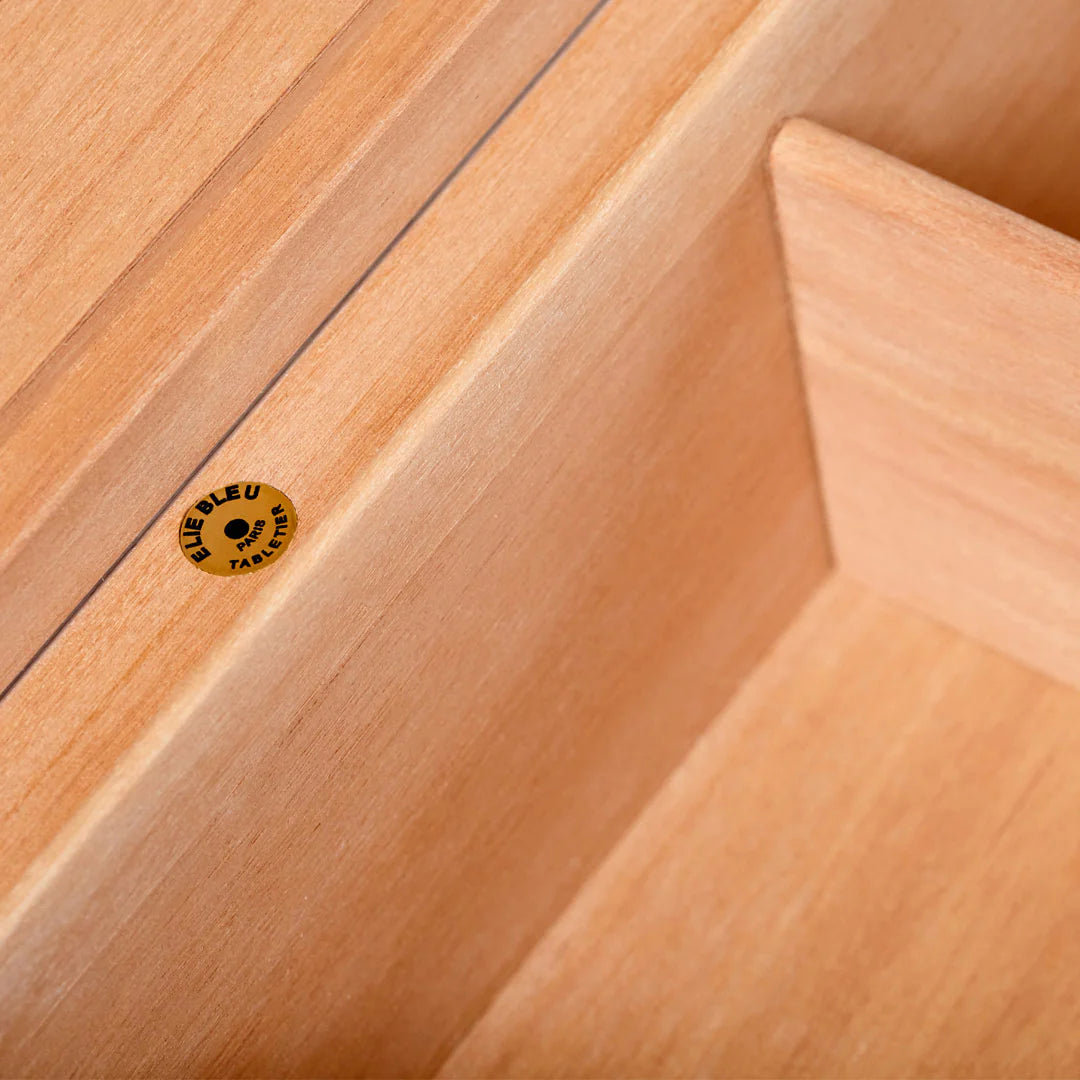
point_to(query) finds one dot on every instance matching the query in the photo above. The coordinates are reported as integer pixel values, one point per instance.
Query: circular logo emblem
(237, 529)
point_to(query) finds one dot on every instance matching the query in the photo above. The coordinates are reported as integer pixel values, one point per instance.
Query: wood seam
(309, 340)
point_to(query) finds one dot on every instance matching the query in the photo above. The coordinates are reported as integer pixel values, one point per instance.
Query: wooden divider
(939, 341)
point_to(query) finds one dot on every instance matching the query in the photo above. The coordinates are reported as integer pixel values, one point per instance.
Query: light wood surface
(184, 340)
(555, 497)
(866, 867)
(396, 773)
(112, 116)
(395, 756)
(938, 334)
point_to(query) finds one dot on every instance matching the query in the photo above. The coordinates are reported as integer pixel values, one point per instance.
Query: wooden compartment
(674, 671)
(867, 864)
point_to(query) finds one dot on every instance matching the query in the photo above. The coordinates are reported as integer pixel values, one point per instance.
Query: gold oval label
(237, 529)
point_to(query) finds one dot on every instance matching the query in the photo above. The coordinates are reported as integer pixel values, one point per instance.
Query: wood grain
(168, 359)
(112, 115)
(377, 755)
(866, 867)
(938, 334)
(357, 788)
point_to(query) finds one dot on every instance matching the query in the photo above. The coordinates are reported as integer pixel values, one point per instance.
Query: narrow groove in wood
(352, 290)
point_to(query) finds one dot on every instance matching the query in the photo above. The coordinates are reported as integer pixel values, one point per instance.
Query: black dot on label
(237, 528)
